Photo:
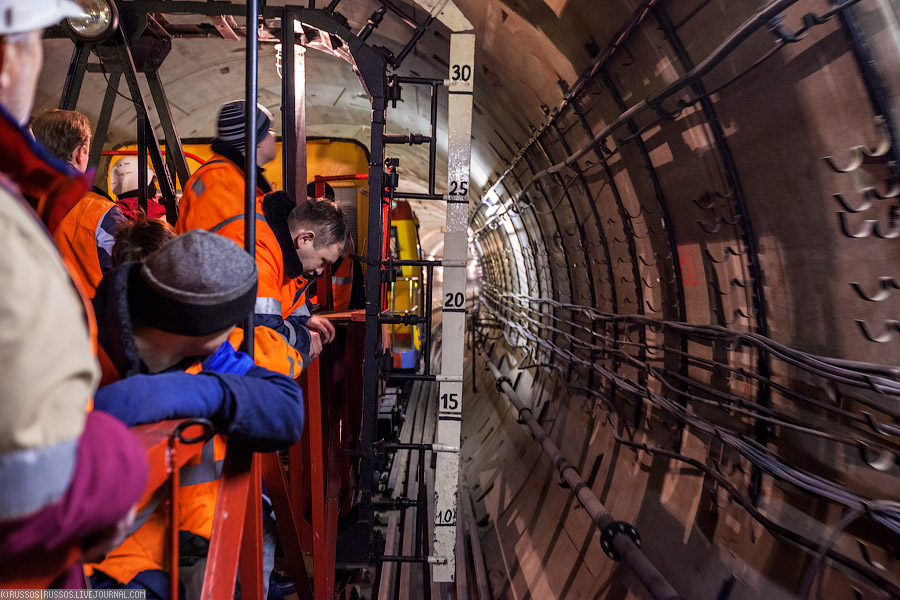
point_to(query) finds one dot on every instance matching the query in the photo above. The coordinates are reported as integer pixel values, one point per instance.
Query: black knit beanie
(197, 284)
(232, 124)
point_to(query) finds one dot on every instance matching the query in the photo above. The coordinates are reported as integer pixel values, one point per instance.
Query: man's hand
(323, 326)
(315, 344)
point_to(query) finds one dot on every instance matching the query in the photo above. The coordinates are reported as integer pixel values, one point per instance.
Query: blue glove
(228, 360)
(151, 398)
(262, 409)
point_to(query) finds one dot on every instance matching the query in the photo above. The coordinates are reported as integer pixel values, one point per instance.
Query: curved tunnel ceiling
(760, 198)
(518, 67)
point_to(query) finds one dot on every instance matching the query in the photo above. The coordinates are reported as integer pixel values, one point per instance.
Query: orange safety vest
(76, 238)
(342, 284)
(212, 201)
(145, 549)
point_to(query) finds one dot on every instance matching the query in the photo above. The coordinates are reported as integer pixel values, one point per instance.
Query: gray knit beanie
(232, 124)
(197, 284)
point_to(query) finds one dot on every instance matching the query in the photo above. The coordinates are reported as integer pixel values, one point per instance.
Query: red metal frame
(325, 279)
(166, 454)
(324, 178)
(316, 434)
(290, 523)
(251, 564)
(228, 527)
(322, 468)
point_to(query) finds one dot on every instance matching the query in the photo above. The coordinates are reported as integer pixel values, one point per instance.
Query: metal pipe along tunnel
(678, 363)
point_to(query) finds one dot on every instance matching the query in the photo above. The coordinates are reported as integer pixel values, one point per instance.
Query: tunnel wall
(677, 278)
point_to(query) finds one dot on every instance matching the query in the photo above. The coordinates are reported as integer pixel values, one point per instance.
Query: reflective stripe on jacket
(342, 283)
(77, 237)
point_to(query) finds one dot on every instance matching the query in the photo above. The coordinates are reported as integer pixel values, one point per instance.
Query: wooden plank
(407, 575)
(388, 570)
(401, 458)
(410, 575)
(395, 487)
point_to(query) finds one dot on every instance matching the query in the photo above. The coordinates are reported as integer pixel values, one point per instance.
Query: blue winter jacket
(246, 402)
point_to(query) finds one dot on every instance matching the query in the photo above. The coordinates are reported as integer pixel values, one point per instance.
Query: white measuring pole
(453, 302)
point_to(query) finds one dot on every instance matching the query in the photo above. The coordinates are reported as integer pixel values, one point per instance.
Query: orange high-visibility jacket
(145, 549)
(213, 200)
(76, 238)
(342, 283)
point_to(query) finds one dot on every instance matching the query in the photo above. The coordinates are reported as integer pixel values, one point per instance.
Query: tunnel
(683, 281)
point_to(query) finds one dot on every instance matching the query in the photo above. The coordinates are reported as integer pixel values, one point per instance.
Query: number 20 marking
(456, 300)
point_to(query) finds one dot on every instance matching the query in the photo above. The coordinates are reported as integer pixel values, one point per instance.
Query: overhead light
(299, 52)
(100, 23)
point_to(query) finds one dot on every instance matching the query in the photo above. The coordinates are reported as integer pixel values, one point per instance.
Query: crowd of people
(138, 322)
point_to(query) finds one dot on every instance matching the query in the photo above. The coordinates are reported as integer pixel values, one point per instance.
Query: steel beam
(75, 76)
(109, 101)
(288, 112)
(250, 98)
(126, 62)
(748, 235)
(620, 541)
(174, 150)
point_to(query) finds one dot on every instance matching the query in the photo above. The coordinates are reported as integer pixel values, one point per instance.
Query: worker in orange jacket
(213, 200)
(169, 349)
(345, 272)
(85, 235)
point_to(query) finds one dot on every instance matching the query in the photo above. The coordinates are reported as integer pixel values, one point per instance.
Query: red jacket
(128, 204)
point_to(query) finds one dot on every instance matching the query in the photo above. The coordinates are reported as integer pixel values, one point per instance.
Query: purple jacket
(109, 478)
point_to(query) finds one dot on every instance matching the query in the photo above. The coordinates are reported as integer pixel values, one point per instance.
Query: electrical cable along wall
(710, 276)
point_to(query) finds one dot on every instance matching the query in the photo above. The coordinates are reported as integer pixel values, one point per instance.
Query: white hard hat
(19, 16)
(124, 175)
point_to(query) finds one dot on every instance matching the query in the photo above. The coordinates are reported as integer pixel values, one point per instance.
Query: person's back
(215, 192)
(85, 234)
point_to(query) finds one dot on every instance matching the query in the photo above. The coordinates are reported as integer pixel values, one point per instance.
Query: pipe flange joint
(500, 381)
(610, 532)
